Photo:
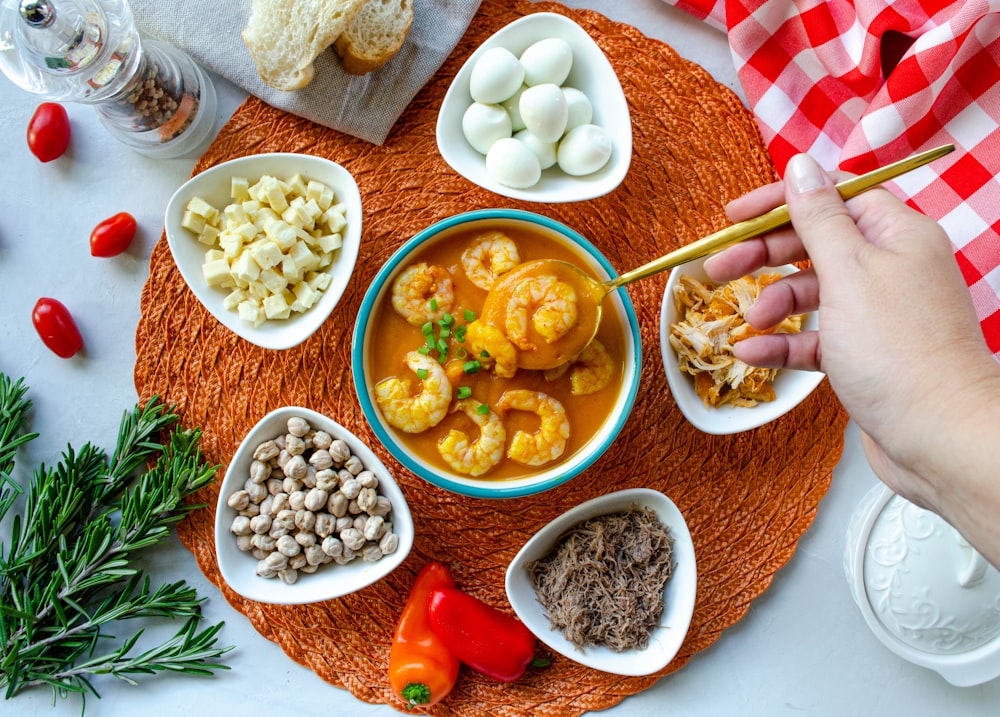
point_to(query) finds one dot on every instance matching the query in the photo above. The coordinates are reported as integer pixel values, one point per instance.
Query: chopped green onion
(427, 329)
(445, 332)
(464, 391)
(421, 373)
(433, 304)
(431, 341)
(460, 333)
(446, 320)
(484, 354)
(461, 353)
(442, 346)
(469, 315)
(424, 350)
(471, 366)
(482, 409)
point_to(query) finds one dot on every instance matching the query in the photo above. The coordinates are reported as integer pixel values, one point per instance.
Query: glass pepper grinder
(147, 93)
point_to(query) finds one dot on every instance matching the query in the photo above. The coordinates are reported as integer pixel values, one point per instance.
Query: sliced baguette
(285, 36)
(375, 35)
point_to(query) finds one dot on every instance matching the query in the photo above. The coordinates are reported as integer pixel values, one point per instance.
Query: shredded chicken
(713, 322)
(603, 582)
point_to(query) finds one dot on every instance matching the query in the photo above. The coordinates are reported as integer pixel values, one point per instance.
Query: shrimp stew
(449, 382)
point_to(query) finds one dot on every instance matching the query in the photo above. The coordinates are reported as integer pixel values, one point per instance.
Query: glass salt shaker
(148, 94)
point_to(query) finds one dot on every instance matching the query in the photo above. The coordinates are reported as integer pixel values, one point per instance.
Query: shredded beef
(602, 584)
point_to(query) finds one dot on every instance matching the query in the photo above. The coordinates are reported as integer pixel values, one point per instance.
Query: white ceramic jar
(923, 590)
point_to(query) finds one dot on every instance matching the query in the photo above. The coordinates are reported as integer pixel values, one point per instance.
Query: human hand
(898, 337)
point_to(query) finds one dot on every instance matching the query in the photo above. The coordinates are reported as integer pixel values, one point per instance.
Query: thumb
(818, 213)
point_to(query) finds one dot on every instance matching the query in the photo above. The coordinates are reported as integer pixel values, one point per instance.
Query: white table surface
(803, 648)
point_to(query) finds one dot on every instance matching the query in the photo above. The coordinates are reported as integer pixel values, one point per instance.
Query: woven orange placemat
(747, 498)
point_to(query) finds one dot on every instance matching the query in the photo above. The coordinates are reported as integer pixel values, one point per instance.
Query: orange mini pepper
(421, 669)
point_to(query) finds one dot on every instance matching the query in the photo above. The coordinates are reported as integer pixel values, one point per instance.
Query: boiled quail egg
(544, 111)
(511, 104)
(513, 164)
(547, 61)
(484, 124)
(545, 151)
(496, 76)
(583, 150)
(580, 109)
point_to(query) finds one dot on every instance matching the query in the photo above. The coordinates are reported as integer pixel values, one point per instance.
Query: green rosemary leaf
(71, 566)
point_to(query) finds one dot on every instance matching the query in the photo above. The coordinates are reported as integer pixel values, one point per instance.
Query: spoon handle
(773, 219)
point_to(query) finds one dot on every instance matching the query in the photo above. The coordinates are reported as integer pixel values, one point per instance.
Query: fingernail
(803, 174)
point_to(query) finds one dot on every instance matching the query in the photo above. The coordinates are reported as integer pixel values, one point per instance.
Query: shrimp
(549, 441)
(423, 293)
(589, 372)
(548, 302)
(480, 455)
(415, 413)
(501, 355)
(489, 256)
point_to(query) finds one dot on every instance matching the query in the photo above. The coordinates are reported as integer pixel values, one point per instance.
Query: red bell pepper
(484, 638)
(421, 669)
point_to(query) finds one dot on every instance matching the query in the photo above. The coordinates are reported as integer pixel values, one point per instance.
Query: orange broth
(394, 337)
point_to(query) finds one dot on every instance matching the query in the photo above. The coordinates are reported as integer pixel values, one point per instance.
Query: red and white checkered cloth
(860, 83)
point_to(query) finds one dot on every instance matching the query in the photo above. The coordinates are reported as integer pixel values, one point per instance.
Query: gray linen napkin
(364, 107)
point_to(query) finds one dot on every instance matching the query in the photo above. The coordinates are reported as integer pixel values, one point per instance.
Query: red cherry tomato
(55, 325)
(48, 131)
(112, 236)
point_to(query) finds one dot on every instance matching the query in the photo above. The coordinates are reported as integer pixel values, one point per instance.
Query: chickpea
(352, 538)
(343, 524)
(354, 465)
(297, 562)
(279, 503)
(243, 543)
(332, 546)
(315, 555)
(337, 504)
(325, 524)
(388, 543)
(261, 524)
(305, 520)
(256, 492)
(309, 479)
(288, 576)
(350, 488)
(305, 538)
(238, 500)
(321, 460)
(259, 471)
(322, 440)
(367, 499)
(251, 511)
(298, 426)
(274, 486)
(382, 507)
(367, 479)
(296, 467)
(290, 485)
(285, 519)
(374, 527)
(276, 561)
(316, 498)
(295, 445)
(297, 500)
(339, 451)
(265, 505)
(262, 542)
(266, 451)
(240, 525)
(371, 553)
(287, 545)
(326, 479)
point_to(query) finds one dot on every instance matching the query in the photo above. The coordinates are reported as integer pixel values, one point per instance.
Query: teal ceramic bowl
(483, 487)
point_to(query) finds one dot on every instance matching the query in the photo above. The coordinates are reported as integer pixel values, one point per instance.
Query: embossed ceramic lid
(923, 590)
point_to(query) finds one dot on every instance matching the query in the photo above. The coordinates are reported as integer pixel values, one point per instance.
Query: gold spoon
(596, 291)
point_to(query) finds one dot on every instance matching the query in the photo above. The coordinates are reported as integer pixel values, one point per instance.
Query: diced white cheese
(239, 188)
(251, 312)
(244, 269)
(266, 253)
(275, 307)
(209, 235)
(274, 281)
(216, 272)
(194, 223)
(330, 242)
(233, 299)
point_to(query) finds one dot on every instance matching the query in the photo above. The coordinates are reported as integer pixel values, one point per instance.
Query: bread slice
(375, 35)
(285, 36)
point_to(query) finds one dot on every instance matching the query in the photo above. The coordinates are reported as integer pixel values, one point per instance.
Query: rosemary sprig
(70, 571)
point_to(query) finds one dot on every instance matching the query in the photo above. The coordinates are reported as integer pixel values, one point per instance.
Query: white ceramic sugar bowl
(923, 590)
